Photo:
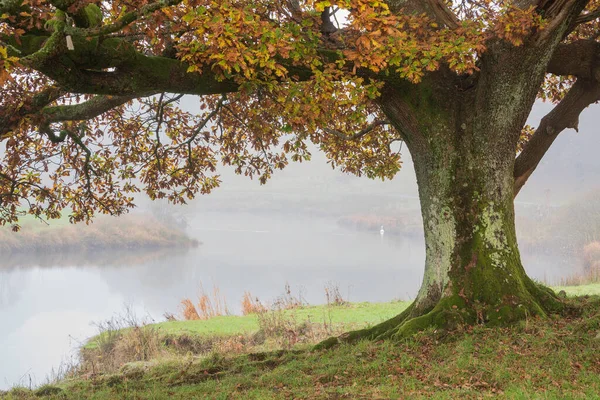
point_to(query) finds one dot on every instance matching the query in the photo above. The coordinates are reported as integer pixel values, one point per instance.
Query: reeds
(582, 278)
(251, 304)
(209, 305)
(189, 310)
(591, 255)
(590, 273)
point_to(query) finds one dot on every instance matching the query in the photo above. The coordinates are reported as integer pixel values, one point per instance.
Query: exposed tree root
(450, 313)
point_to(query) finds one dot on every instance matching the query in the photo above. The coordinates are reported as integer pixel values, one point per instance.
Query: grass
(545, 359)
(221, 358)
(590, 289)
(352, 314)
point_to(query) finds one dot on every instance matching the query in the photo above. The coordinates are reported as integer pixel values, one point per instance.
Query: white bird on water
(381, 231)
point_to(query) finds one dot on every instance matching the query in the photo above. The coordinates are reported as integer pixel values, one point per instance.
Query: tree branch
(327, 26)
(579, 58)
(92, 108)
(10, 117)
(588, 17)
(443, 14)
(369, 128)
(564, 115)
(557, 12)
(50, 114)
(123, 21)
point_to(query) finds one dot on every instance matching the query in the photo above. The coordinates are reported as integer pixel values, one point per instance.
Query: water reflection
(94, 258)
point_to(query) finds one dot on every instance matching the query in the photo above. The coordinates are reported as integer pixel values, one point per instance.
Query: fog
(299, 229)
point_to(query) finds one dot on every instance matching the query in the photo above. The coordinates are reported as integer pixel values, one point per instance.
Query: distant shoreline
(137, 232)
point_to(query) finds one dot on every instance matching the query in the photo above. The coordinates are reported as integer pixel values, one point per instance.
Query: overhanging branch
(588, 17)
(87, 110)
(564, 115)
(46, 115)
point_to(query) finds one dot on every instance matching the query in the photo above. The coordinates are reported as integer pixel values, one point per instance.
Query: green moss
(29, 43)
(92, 15)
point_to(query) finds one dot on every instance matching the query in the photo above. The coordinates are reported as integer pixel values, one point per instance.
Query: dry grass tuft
(289, 301)
(212, 306)
(591, 267)
(333, 295)
(122, 339)
(209, 305)
(189, 311)
(591, 275)
(251, 305)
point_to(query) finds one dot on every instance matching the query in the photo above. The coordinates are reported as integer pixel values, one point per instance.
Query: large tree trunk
(463, 145)
(473, 271)
(462, 132)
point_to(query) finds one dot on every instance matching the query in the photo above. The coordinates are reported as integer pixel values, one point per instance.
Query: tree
(454, 80)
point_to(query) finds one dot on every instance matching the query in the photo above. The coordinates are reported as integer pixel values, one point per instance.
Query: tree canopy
(90, 111)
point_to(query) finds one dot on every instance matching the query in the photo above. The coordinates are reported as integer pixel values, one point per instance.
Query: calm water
(48, 303)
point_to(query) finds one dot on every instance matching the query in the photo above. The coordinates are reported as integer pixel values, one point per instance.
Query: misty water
(48, 303)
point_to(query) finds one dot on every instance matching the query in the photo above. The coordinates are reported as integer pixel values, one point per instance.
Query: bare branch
(87, 169)
(564, 115)
(588, 17)
(369, 128)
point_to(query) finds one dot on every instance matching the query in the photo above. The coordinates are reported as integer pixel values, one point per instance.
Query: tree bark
(463, 145)
(473, 271)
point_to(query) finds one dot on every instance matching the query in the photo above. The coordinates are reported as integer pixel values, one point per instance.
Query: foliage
(273, 75)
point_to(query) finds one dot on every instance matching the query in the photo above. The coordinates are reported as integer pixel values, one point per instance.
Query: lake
(49, 303)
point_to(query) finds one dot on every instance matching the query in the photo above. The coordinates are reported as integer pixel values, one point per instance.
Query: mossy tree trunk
(463, 135)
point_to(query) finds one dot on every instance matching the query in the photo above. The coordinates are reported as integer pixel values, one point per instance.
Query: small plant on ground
(288, 300)
(123, 338)
(333, 295)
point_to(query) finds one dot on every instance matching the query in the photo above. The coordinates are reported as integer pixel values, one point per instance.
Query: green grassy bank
(344, 316)
(555, 358)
